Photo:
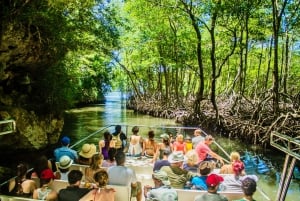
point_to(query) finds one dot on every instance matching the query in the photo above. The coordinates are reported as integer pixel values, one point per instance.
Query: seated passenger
(102, 192)
(188, 143)
(149, 145)
(42, 163)
(111, 158)
(105, 144)
(162, 146)
(199, 182)
(135, 143)
(21, 185)
(213, 181)
(179, 144)
(124, 176)
(65, 150)
(161, 190)
(177, 176)
(86, 153)
(73, 191)
(94, 167)
(63, 166)
(236, 166)
(205, 153)
(191, 162)
(45, 192)
(249, 188)
(163, 162)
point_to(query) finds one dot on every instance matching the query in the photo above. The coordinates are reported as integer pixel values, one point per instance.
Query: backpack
(117, 140)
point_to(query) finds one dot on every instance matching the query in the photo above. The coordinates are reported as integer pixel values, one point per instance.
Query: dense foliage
(74, 41)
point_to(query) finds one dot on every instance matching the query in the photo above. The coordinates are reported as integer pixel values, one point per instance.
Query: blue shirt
(199, 182)
(65, 151)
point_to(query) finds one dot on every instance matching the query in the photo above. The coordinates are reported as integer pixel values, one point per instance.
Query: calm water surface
(81, 122)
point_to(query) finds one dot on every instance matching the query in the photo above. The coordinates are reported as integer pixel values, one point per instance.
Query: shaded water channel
(81, 122)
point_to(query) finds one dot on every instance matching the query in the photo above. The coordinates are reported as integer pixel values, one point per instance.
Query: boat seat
(75, 166)
(122, 192)
(14, 198)
(191, 194)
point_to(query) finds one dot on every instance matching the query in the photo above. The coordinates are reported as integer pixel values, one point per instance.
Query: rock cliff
(22, 57)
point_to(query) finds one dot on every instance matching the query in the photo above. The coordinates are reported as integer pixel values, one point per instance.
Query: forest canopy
(212, 58)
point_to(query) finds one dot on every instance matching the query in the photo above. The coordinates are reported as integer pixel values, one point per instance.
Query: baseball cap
(47, 174)
(214, 180)
(65, 140)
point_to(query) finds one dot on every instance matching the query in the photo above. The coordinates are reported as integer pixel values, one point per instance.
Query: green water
(81, 122)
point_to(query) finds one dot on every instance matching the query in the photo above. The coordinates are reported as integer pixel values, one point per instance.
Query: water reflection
(81, 122)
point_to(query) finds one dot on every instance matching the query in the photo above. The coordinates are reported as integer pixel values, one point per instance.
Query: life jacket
(117, 140)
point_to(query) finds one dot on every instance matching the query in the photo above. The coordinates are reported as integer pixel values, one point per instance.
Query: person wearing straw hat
(86, 153)
(176, 174)
(205, 153)
(213, 181)
(63, 166)
(162, 190)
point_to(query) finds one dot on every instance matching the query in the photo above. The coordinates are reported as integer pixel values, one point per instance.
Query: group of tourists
(180, 163)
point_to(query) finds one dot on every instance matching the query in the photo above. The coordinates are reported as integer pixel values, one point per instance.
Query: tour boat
(144, 168)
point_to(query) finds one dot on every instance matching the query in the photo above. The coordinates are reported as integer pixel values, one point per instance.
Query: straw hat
(87, 150)
(176, 156)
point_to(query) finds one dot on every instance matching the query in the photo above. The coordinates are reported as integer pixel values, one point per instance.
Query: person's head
(176, 158)
(41, 164)
(87, 151)
(249, 186)
(46, 176)
(160, 178)
(205, 167)
(65, 141)
(96, 162)
(74, 177)
(112, 154)
(209, 139)
(179, 138)
(107, 135)
(135, 130)
(22, 170)
(101, 177)
(165, 139)
(188, 139)
(197, 132)
(213, 181)
(120, 158)
(151, 135)
(235, 156)
(191, 158)
(238, 168)
(118, 128)
(65, 163)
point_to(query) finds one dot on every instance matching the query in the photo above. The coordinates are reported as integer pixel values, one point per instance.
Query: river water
(81, 122)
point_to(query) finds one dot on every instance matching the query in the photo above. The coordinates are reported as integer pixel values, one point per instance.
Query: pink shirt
(202, 150)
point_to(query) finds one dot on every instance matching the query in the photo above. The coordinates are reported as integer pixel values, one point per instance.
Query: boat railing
(7, 127)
